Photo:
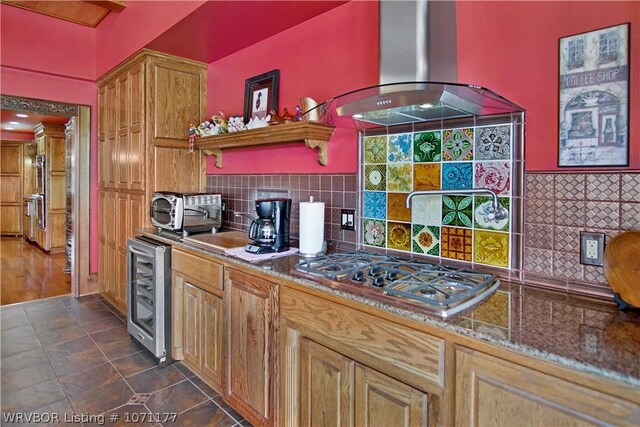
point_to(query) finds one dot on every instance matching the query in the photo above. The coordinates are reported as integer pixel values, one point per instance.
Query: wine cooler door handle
(140, 253)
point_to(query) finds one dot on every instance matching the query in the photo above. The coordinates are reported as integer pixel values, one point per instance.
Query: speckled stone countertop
(585, 334)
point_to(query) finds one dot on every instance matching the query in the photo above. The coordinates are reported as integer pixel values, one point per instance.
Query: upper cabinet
(145, 107)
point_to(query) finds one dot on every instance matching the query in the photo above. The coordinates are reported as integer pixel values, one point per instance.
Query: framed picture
(261, 95)
(594, 98)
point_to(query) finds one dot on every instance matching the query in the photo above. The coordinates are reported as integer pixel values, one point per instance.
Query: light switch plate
(592, 248)
(347, 219)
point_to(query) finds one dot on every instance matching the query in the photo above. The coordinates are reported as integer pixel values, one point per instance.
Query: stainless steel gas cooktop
(436, 288)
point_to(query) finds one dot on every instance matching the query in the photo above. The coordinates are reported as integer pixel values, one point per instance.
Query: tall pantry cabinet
(145, 106)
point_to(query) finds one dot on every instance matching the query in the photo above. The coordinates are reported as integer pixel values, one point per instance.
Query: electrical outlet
(592, 248)
(347, 219)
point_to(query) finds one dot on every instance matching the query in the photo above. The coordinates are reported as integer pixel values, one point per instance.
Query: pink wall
(61, 89)
(50, 59)
(122, 34)
(330, 54)
(512, 48)
(35, 42)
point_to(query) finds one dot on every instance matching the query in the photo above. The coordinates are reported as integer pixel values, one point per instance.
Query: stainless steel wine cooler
(149, 295)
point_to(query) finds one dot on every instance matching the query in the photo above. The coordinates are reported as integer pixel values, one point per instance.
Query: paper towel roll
(311, 227)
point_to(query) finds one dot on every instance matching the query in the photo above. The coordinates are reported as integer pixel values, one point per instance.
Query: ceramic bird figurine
(287, 117)
(275, 120)
(221, 121)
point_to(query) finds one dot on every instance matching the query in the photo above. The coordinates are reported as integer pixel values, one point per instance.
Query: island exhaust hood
(417, 44)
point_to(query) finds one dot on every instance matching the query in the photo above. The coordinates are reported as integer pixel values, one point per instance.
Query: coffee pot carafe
(270, 231)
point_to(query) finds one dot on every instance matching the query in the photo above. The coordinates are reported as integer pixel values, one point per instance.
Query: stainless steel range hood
(413, 102)
(417, 44)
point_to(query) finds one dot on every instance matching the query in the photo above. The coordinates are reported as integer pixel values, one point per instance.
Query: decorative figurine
(275, 120)
(287, 117)
(221, 121)
(257, 122)
(193, 134)
(298, 116)
(236, 124)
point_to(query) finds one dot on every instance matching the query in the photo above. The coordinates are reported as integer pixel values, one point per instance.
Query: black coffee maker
(270, 232)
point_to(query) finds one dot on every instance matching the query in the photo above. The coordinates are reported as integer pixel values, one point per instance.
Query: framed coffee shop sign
(594, 98)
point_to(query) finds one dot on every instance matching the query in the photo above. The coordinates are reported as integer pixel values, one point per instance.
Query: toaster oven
(186, 213)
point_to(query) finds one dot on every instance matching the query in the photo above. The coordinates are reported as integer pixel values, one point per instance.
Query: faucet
(497, 210)
(244, 214)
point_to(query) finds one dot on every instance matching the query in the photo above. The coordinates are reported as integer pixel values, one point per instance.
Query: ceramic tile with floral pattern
(493, 143)
(374, 232)
(457, 211)
(426, 210)
(426, 239)
(427, 146)
(426, 176)
(375, 149)
(484, 217)
(457, 144)
(375, 177)
(493, 175)
(400, 148)
(456, 176)
(456, 243)
(399, 177)
(375, 204)
(491, 248)
(399, 236)
(397, 208)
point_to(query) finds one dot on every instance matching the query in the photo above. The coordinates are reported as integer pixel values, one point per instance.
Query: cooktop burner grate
(444, 289)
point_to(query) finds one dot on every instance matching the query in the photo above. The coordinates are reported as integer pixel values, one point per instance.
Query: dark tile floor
(73, 358)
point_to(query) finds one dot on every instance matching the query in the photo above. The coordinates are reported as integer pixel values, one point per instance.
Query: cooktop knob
(358, 276)
(378, 281)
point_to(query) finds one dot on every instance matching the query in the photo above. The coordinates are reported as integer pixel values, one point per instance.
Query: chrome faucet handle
(244, 214)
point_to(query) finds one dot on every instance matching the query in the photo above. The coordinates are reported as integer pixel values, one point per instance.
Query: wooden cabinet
(252, 346)
(496, 392)
(50, 140)
(11, 177)
(147, 101)
(198, 318)
(341, 366)
(337, 391)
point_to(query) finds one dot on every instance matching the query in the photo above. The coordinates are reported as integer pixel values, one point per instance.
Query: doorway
(80, 150)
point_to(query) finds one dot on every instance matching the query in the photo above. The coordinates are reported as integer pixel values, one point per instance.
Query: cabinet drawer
(206, 274)
(413, 357)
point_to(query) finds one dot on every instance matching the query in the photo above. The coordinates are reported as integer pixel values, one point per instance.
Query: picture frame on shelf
(261, 95)
(593, 98)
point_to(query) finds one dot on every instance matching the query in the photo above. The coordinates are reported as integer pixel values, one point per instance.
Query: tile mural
(455, 226)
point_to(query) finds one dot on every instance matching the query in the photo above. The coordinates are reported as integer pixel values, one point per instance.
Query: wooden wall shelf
(314, 135)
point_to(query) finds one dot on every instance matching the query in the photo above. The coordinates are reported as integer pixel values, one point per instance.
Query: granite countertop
(582, 333)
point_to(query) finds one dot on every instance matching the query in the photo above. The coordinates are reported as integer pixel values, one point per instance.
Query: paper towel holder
(317, 254)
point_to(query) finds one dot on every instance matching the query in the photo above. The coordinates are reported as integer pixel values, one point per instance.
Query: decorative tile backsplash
(557, 207)
(457, 226)
(561, 205)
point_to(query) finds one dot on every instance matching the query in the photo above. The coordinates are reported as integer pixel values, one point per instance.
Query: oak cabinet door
(212, 336)
(383, 401)
(111, 151)
(326, 386)
(192, 343)
(494, 392)
(252, 347)
(135, 129)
